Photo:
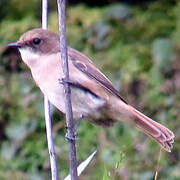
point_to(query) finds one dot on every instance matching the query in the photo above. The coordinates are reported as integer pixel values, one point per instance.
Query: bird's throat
(29, 56)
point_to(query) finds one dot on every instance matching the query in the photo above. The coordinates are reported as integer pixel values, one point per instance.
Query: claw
(70, 138)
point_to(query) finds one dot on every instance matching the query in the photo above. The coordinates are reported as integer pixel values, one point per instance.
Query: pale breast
(47, 76)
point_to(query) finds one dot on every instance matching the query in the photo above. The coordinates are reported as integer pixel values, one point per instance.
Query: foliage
(137, 47)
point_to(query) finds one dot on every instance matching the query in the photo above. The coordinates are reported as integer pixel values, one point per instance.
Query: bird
(92, 94)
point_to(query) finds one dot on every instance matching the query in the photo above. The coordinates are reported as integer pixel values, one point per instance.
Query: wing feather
(85, 65)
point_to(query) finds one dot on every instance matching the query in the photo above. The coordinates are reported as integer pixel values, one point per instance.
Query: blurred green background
(137, 45)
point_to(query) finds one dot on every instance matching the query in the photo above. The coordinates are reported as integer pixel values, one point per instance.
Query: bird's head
(36, 43)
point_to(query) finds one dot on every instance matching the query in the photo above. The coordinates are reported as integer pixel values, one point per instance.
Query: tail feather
(158, 132)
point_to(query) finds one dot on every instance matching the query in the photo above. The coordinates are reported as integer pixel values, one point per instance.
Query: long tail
(158, 132)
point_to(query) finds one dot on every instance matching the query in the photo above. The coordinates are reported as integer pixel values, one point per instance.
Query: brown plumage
(92, 94)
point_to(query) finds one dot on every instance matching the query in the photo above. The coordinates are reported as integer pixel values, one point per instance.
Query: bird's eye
(36, 41)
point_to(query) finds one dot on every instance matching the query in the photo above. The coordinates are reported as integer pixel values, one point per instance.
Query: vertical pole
(68, 106)
(48, 120)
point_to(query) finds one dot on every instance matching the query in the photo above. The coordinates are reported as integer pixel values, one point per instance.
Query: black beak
(14, 45)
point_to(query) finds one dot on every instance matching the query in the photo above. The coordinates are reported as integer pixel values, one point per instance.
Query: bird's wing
(85, 65)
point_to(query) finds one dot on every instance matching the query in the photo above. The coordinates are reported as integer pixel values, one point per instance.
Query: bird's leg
(64, 81)
(78, 123)
(76, 85)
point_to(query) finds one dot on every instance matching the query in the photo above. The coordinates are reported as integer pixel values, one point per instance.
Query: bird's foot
(70, 138)
(64, 81)
(78, 123)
